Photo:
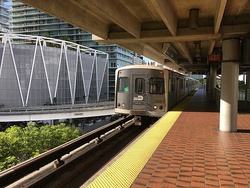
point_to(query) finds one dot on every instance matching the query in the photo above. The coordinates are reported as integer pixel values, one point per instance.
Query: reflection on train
(149, 91)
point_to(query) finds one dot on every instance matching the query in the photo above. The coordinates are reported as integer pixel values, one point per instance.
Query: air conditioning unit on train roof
(169, 51)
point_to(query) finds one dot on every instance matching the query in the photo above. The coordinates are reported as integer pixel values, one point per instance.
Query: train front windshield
(123, 84)
(156, 85)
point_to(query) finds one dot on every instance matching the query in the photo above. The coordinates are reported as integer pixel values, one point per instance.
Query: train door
(177, 89)
(139, 94)
(172, 92)
(180, 88)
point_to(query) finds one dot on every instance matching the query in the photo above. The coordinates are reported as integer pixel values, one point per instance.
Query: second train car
(149, 91)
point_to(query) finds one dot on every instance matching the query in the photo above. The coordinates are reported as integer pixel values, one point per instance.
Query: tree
(19, 144)
(201, 80)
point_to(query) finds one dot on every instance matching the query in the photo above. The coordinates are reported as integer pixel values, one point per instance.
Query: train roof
(148, 67)
(152, 67)
(142, 67)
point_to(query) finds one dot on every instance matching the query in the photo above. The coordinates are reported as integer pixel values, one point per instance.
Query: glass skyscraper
(4, 15)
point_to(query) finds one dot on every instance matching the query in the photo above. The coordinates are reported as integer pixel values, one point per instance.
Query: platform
(185, 149)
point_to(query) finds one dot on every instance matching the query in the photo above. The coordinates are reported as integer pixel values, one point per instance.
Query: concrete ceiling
(150, 27)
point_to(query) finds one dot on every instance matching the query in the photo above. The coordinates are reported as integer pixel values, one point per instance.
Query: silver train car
(149, 91)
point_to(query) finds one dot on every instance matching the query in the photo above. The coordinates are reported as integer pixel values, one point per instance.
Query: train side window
(139, 85)
(123, 84)
(156, 85)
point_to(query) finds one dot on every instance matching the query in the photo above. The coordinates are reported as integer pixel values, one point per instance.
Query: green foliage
(66, 38)
(201, 80)
(19, 144)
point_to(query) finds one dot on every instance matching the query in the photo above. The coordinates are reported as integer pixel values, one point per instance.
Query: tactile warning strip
(125, 169)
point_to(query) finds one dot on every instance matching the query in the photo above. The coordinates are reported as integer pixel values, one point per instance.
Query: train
(149, 91)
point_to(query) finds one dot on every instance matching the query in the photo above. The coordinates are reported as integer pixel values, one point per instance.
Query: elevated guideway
(57, 112)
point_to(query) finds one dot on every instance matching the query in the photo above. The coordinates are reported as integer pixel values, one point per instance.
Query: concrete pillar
(212, 81)
(229, 84)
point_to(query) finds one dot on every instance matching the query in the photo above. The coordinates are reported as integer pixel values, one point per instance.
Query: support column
(229, 84)
(212, 81)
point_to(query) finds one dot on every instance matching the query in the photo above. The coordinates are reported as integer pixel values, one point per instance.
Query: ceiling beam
(151, 51)
(71, 13)
(219, 12)
(167, 14)
(205, 36)
(182, 46)
(211, 47)
(220, 9)
(184, 34)
(115, 12)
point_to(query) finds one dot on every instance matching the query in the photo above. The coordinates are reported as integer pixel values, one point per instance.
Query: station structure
(198, 37)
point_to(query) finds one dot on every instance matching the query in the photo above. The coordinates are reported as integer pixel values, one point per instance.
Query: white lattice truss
(40, 44)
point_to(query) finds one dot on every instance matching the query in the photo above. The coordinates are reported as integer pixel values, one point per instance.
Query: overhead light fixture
(169, 51)
(193, 18)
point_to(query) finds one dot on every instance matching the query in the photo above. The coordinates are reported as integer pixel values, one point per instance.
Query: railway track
(73, 163)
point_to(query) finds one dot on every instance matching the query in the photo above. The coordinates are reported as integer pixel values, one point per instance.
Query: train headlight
(118, 104)
(123, 105)
(155, 107)
(161, 107)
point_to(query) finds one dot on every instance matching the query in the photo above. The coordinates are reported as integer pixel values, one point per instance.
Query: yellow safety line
(125, 169)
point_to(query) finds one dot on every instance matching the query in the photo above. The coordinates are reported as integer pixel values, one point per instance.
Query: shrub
(19, 144)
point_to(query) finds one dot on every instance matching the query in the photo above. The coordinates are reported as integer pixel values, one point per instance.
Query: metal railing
(241, 96)
(244, 95)
(57, 108)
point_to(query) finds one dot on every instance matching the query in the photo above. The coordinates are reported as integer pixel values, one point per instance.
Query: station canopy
(184, 35)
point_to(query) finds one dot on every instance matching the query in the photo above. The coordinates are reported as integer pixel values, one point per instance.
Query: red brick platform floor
(195, 153)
